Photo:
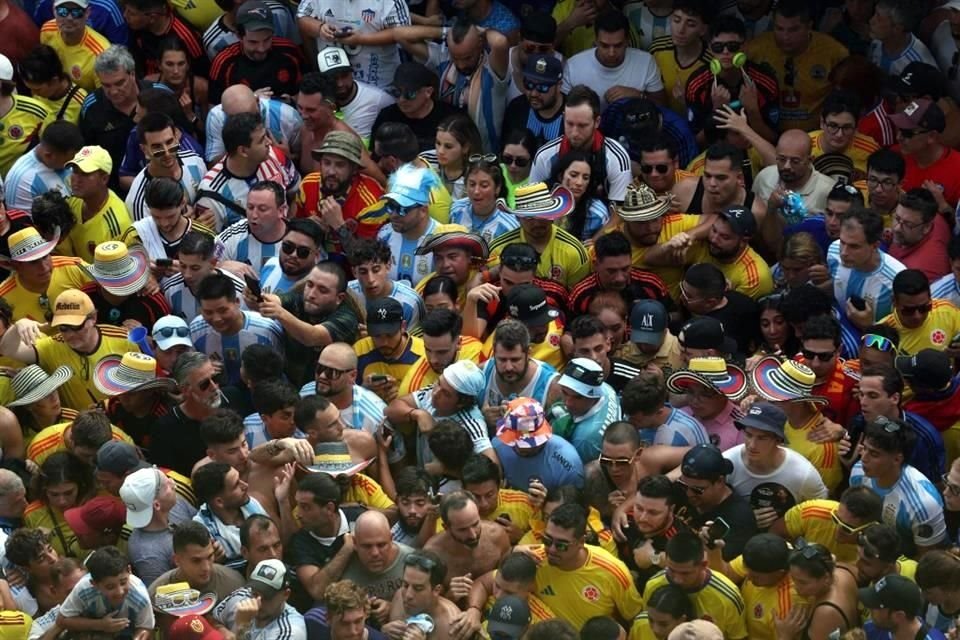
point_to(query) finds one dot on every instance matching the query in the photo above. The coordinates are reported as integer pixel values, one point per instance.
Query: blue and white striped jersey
(407, 265)
(193, 169)
(256, 330)
(255, 432)
(875, 287)
(228, 535)
(471, 420)
(237, 243)
(28, 178)
(86, 601)
(915, 51)
(281, 120)
(273, 279)
(680, 430)
(494, 225)
(945, 288)
(289, 625)
(365, 413)
(182, 301)
(413, 309)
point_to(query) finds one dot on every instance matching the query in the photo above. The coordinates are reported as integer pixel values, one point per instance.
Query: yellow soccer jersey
(858, 152)
(824, 456)
(62, 538)
(718, 600)
(461, 291)
(813, 521)
(51, 441)
(67, 274)
(749, 273)
(565, 260)
(182, 485)
(936, 332)
(548, 351)
(79, 391)
(74, 104)
(20, 130)
(601, 587)
(765, 604)
(675, 77)
(906, 568)
(77, 59)
(366, 491)
(421, 375)
(640, 629)
(109, 223)
(370, 361)
(538, 610)
(804, 79)
(595, 527)
(198, 13)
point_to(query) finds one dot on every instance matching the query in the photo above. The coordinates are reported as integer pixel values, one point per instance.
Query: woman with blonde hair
(800, 252)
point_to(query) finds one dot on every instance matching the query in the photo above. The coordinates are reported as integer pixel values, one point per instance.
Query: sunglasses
(697, 491)
(69, 328)
(205, 385)
(520, 264)
(847, 528)
(650, 168)
(888, 425)
(290, 247)
(877, 342)
(168, 332)
(822, 356)
(395, 209)
(615, 462)
(488, 158)
(906, 134)
(808, 551)
(733, 46)
(869, 551)
(71, 12)
(515, 160)
(406, 94)
(172, 150)
(560, 545)
(330, 372)
(954, 489)
(539, 87)
(909, 310)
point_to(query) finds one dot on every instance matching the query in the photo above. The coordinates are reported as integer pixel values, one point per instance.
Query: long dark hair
(60, 468)
(576, 219)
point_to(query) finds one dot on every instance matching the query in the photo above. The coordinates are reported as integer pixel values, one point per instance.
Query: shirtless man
(424, 574)
(468, 545)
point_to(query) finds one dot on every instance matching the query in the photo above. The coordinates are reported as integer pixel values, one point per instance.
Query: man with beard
(921, 235)
(527, 304)
(416, 507)
(539, 108)
(651, 523)
(469, 545)
(196, 253)
(336, 379)
(299, 253)
(358, 102)
(417, 106)
(587, 406)
(370, 260)
(720, 186)
(388, 352)
(312, 319)
(443, 344)
(338, 195)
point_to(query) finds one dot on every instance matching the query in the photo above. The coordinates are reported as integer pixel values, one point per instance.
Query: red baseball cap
(193, 628)
(98, 514)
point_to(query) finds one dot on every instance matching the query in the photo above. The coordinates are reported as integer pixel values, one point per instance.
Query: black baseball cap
(528, 304)
(384, 317)
(705, 462)
(919, 79)
(538, 26)
(893, 592)
(413, 75)
(764, 416)
(545, 69)
(741, 220)
(927, 369)
(648, 321)
(706, 333)
(508, 618)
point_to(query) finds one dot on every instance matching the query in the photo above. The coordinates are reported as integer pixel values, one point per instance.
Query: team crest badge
(16, 132)
(937, 336)
(76, 72)
(368, 15)
(590, 593)
(556, 273)
(541, 66)
(758, 611)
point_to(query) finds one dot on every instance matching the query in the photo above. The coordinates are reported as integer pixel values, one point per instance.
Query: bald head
(371, 524)
(795, 142)
(339, 355)
(239, 98)
(373, 542)
(793, 158)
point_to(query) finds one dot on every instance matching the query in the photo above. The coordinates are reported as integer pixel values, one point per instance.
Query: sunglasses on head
(848, 528)
(167, 332)
(539, 87)
(290, 247)
(888, 425)
(650, 168)
(172, 150)
(71, 12)
(520, 263)
(733, 46)
(560, 545)
(421, 562)
(485, 158)
(809, 551)
(877, 342)
(822, 356)
(515, 160)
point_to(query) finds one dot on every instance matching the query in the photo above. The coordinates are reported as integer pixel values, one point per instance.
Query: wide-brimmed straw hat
(642, 204)
(120, 270)
(785, 381)
(538, 201)
(179, 599)
(715, 373)
(115, 375)
(32, 384)
(333, 458)
(27, 245)
(455, 236)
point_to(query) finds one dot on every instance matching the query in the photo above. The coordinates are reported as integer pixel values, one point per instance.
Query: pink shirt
(720, 428)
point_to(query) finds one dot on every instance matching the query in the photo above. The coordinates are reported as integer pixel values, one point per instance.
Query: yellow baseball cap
(72, 308)
(92, 158)
(14, 625)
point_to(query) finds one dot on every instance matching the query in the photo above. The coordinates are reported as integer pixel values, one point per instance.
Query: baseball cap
(544, 69)
(384, 316)
(83, 4)
(138, 492)
(99, 514)
(520, 256)
(741, 220)
(341, 143)
(540, 27)
(169, 331)
(6, 69)
(920, 114)
(72, 307)
(254, 15)
(648, 321)
(413, 75)
(705, 462)
(696, 630)
(763, 416)
(333, 59)
(90, 158)
(268, 578)
(927, 369)
(584, 376)
(919, 79)
(706, 333)
(193, 628)
(410, 186)
(893, 592)
(119, 458)
(528, 304)
(508, 618)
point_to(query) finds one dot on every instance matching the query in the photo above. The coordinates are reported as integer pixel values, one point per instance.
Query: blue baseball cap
(410, 186)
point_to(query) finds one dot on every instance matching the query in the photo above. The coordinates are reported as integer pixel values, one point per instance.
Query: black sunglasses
(697, 491)
(515, 160)
(906, 134)
(204, 385)
(330, 372)
(887, 424)
(650, 168)
(822, 356)
(909, 310)
(732, 46)
(406, 94)
(290, 247)
(76, 12)
(539, 87)
(167, 332)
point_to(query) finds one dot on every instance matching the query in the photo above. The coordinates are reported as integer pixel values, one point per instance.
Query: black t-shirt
(175, 442)
(425, 128)
(138, 428)
(636, 539)
(145, 309)
(737, 513)
(280, 70)
(741, 320)
(301, 361)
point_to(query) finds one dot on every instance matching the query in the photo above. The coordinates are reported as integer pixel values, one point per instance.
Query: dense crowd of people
(505, 319)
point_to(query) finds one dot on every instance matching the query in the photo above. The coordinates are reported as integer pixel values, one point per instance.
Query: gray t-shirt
(380, 585)
(152, 551)
(223, 582)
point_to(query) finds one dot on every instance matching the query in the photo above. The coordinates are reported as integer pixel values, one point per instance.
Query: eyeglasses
(290, 247)
(697, 491)
(906, 134)
(71, 12)
(877, 342)
(488, 158)
(172, 150)
(833, 127)
(560, 545)
(650, 168)
(909, 226)
(789, 72)
(822, 356)
(330, 372)
(539, 87)
(420, 561)
(884, 185)
(168, 332)
(44, 301)
(517, 161)
(616, 462)
(395, 209)
(733, 46)
(954, 489)
(848, 528)
(205, 385)
(887, 424)
(912, 309)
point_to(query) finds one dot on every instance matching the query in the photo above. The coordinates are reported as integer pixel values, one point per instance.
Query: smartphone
(858, 303)
(164, 263)
(505, 516)
(378, 378)
(717, 530)
(254, 285)
(386, 428)
(533, 479)
(343, 32)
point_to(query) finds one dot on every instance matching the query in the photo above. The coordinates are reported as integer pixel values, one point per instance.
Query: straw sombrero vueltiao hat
(119, 270)
(333, 458)
(179, 600)
(642, 204)
(115, 375)
(716, 373)
(32, 384)
(27, 245)
(537, 201)
(455, 235)
(785, 381)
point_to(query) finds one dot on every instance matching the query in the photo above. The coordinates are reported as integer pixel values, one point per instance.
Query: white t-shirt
(638, 71)
(361, 112)
(796, 474)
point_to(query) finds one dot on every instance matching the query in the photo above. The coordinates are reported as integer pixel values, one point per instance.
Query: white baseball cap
(138, 492)
(268, 578)
(332, 59)
(6, 69)
(169, 331)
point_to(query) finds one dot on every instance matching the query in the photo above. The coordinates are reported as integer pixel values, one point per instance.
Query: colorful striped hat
(334, 459)
(455, 235)
(32, 384)
(115, 375)
(537, 201)
(642, 204)
(784, 381)
(119, 270)
(715, 373)
(179, 600)
(27, 245)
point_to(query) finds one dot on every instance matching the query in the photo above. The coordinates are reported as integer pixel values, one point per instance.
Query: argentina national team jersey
(875, 287)
(192, 168)
(648, 26)
(182, 301)
(273, 279)
(495, 224)
(289, 625)
(537, 387)
(365, 413)
(29, 178)
(86, 601)
(228, 535)
(280, 119)
(218, 36)
(946, 288)
(407, 265)
(255, 432)
(413, 309)
(255, 330)
(471, 420)
(237, 243)
(680, 430)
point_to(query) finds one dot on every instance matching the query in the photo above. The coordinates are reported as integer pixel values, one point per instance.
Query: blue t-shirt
(318, 629)
(556, 465)
(873, 632)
